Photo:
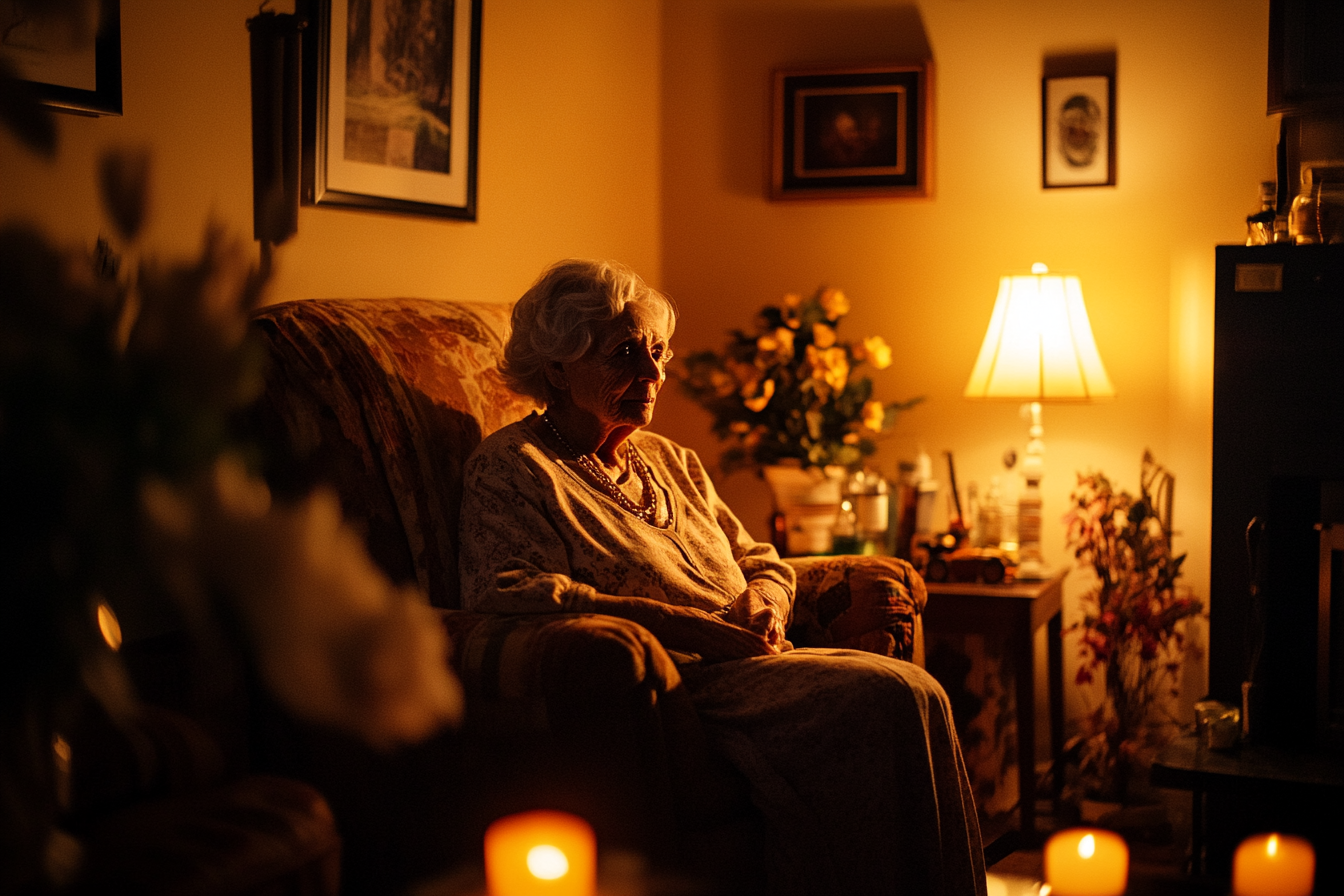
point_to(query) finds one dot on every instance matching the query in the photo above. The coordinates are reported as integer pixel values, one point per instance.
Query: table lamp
(1038, 348)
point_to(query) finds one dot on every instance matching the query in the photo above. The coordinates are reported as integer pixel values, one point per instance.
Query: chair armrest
(556, 656)
(864, 603)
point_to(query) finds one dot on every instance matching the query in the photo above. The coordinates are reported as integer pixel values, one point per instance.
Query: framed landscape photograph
(852, 132)
(391, 91)
(1078, 131)
(84, 79)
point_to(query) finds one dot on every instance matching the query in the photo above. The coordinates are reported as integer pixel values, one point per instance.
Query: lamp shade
(1039, 344)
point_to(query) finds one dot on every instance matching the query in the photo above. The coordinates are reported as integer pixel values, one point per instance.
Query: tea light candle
(1086, 862)
(542, 853)
(1273, 865)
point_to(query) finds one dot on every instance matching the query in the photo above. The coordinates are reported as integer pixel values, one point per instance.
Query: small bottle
(989, 521)
(845, 532)
(901, 529)
(1260, 226)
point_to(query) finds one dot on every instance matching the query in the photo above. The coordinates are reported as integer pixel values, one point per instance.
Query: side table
(1256, 788)
(1014, 611)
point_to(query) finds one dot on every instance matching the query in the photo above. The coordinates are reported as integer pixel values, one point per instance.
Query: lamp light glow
(1273, 865)
(1038, 347)
(1086, 862)
(541, 853)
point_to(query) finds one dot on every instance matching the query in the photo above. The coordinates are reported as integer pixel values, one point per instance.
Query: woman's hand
(685, 629)
(752, 612)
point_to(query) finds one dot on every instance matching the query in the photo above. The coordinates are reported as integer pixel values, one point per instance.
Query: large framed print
(851, 132)
(1078, 131)
(391, 95)
(84, 78)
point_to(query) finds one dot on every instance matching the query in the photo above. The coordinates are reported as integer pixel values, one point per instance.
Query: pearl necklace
(647, 510)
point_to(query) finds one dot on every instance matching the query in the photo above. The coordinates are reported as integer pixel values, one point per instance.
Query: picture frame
(392, 134)
(85, 80)
(1078, 131)
(851, 132)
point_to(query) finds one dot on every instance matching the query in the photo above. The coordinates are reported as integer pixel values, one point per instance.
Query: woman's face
(619, 377)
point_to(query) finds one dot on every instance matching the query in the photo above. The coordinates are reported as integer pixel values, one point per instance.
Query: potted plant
(1132, 628)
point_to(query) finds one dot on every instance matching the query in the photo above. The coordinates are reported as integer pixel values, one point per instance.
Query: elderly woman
(851, 756)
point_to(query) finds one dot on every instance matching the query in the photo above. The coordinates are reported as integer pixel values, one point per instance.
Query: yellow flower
(850, 438)
(758, 403)
(740, 427)
(830, 366)
(823, 336)
(724, 385)
(767, 344)
(873, 415)
(792, 300)
(879, 353)
(834, 303)
(785, 337)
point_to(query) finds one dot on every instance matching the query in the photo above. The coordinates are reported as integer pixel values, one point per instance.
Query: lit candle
(1273, 865)
(1086, 862)
(540, 853)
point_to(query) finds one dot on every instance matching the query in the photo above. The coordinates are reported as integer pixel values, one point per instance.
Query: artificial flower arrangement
(791, 392)
(1132, 626)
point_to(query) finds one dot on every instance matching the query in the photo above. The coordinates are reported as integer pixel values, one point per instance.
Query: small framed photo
(851, 132)
(1078, 131)
(391, 97)
(84, 79)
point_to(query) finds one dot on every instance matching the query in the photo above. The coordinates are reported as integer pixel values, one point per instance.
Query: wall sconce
(1038, 348)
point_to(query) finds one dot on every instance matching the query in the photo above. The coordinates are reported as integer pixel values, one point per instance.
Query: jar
(1317, 212)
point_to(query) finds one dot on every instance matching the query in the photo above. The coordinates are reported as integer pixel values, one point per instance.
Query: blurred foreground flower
(334, 640)
(120, 481)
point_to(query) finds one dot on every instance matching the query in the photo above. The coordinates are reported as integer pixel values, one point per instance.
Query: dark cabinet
(1278, 456)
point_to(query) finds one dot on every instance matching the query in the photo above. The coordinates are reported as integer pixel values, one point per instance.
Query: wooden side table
(1014, 611)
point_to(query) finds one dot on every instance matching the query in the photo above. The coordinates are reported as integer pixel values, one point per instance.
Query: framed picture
(1078, 131)
(391, 94)
(852, 132)
(85, 79)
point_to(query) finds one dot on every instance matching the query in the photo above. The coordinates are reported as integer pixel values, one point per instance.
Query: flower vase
(808, 498)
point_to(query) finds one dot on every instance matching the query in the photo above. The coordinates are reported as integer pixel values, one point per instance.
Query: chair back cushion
(384, 399)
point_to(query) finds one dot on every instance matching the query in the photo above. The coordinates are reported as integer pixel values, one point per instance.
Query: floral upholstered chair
(384, 399)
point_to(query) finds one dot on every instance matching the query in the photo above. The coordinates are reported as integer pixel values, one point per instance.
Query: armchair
(384, 399)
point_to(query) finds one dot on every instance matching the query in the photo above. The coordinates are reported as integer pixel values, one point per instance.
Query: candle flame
(1087, 847)
(1272, 846)
(547, 862)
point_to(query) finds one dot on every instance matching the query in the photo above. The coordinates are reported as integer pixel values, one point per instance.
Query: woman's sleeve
(768, 575)
(511, 559)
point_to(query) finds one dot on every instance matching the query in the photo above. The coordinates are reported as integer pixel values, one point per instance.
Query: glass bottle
(845, 532)
(989, 522)
(1260, 226)
(870, 496)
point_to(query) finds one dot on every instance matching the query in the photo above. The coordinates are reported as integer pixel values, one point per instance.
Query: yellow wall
(1193, 144)
(569, 153)
(637, 129)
